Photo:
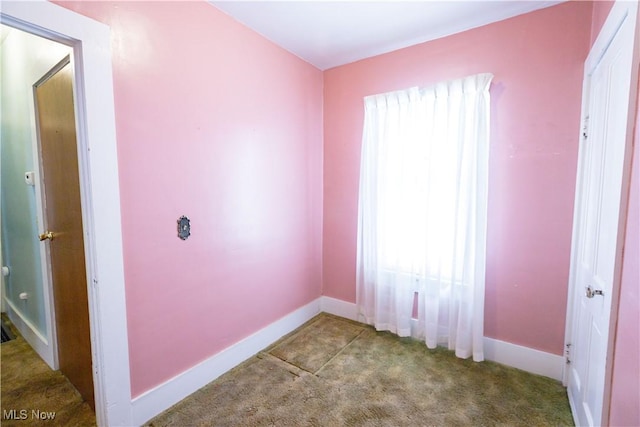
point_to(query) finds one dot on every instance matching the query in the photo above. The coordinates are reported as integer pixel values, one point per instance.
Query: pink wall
(216, 123)
(537, 60)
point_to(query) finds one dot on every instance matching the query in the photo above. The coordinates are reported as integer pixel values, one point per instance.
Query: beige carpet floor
(334, 372)
(38, 395)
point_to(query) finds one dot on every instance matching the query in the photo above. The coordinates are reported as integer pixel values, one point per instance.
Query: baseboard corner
(338, 307)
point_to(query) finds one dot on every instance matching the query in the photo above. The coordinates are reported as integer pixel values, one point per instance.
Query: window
(422, 211)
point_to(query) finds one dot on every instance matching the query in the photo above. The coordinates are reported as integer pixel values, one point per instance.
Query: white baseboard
(158, 399)
(338, 307)
(525, 358)
(30, 333)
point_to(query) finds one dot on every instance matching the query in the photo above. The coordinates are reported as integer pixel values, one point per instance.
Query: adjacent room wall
(537, 60)
(216, 123)
(25, 58)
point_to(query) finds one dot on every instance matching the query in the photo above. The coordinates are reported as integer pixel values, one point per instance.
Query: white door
(595, 248)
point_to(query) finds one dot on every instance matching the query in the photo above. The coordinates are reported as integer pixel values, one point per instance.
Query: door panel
(598, 199)
(59, 160)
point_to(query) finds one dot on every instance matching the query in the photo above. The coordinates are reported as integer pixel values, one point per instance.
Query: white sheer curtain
(423, 212)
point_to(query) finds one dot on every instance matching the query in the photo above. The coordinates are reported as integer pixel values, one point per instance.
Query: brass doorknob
(46, 236)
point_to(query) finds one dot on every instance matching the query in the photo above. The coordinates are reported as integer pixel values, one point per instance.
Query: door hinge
(585, 128)
(567, 353)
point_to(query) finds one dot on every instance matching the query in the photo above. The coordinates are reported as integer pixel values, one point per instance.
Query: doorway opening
(89, 41)
(47, 304)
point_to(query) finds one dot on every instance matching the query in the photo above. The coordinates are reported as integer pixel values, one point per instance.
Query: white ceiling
(331, 33)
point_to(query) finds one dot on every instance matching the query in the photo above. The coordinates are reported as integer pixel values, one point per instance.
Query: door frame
(100, 196)
(620, 11)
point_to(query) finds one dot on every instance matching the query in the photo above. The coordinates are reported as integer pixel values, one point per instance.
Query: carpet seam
(338, 353)
(291, 336)
(288, 363)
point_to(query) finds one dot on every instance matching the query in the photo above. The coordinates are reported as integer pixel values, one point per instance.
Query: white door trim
(621, 11)
(99, 185)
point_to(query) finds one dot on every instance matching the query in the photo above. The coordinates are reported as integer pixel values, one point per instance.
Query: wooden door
(63, 218)
(596, 242)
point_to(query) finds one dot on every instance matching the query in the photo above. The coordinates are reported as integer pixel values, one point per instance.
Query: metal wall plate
(184, 227)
